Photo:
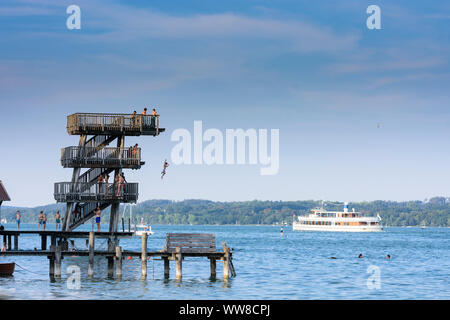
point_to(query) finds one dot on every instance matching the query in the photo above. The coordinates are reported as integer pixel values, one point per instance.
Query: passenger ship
(323, 220)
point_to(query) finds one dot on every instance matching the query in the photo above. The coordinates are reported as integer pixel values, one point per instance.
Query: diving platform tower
(101, 151)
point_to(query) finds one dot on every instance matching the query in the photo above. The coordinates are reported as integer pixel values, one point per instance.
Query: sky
(362, 114)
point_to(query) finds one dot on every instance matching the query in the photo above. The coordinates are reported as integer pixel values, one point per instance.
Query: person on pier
(18, 216)
(40, 220)
(98, 213)
(58, 221)
(44, 221)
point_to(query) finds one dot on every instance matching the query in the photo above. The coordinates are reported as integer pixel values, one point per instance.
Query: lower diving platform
(96, 192)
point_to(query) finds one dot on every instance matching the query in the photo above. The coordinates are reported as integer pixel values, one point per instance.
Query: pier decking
(177, 247)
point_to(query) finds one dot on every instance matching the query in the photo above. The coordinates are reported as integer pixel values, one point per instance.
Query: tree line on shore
(434, 212)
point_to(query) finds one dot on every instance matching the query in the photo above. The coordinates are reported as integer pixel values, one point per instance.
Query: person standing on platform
(154, 115)
(101, 184)
(40, 219)
(44, 220)
(58, 221)
(18, 216)
(133, 119)
(98, 213)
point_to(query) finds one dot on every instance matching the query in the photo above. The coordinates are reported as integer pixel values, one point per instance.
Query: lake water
(297, 266)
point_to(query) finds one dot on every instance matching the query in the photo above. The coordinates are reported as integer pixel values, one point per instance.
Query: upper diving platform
(113, 124)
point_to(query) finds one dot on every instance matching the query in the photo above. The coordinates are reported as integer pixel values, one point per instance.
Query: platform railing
(99, 122)
(97, 192)
(90, 156)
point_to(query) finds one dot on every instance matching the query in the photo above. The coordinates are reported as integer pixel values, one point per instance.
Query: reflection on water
(268, 267)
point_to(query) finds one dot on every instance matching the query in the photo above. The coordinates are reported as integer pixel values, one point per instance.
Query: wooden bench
(179, 245)
(190, 242)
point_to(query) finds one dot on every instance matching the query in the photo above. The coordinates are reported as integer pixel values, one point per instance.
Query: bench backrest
(190, 242)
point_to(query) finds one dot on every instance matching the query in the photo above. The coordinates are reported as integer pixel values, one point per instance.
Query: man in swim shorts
(58, 221)
(98, 212)
(18, 219)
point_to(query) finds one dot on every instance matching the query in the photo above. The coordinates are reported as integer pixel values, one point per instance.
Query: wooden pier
(177, 247)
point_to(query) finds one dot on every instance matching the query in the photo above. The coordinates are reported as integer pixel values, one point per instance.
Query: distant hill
(432, 212)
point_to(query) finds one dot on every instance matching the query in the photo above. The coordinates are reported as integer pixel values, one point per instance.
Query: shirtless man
(40, 220)
(58, 221)
(18, 216)
(98, 213)
(163, 173)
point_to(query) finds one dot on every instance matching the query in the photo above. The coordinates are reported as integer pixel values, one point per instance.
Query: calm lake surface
(297, 266)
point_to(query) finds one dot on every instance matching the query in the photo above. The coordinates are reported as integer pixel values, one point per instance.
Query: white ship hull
(300, 227)
(337, 221)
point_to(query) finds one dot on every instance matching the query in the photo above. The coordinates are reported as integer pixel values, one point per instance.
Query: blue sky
(311, 69)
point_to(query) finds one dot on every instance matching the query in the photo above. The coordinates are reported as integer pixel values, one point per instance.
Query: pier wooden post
(51, 267)
(16, 242)
(144, 255)
(43, 242)
(91, 253)
(226, 261)
(118, 262)
(9, 243)
(58, 261)
(212, 263)
(110, 266)
(179, 262)
(166, 268)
